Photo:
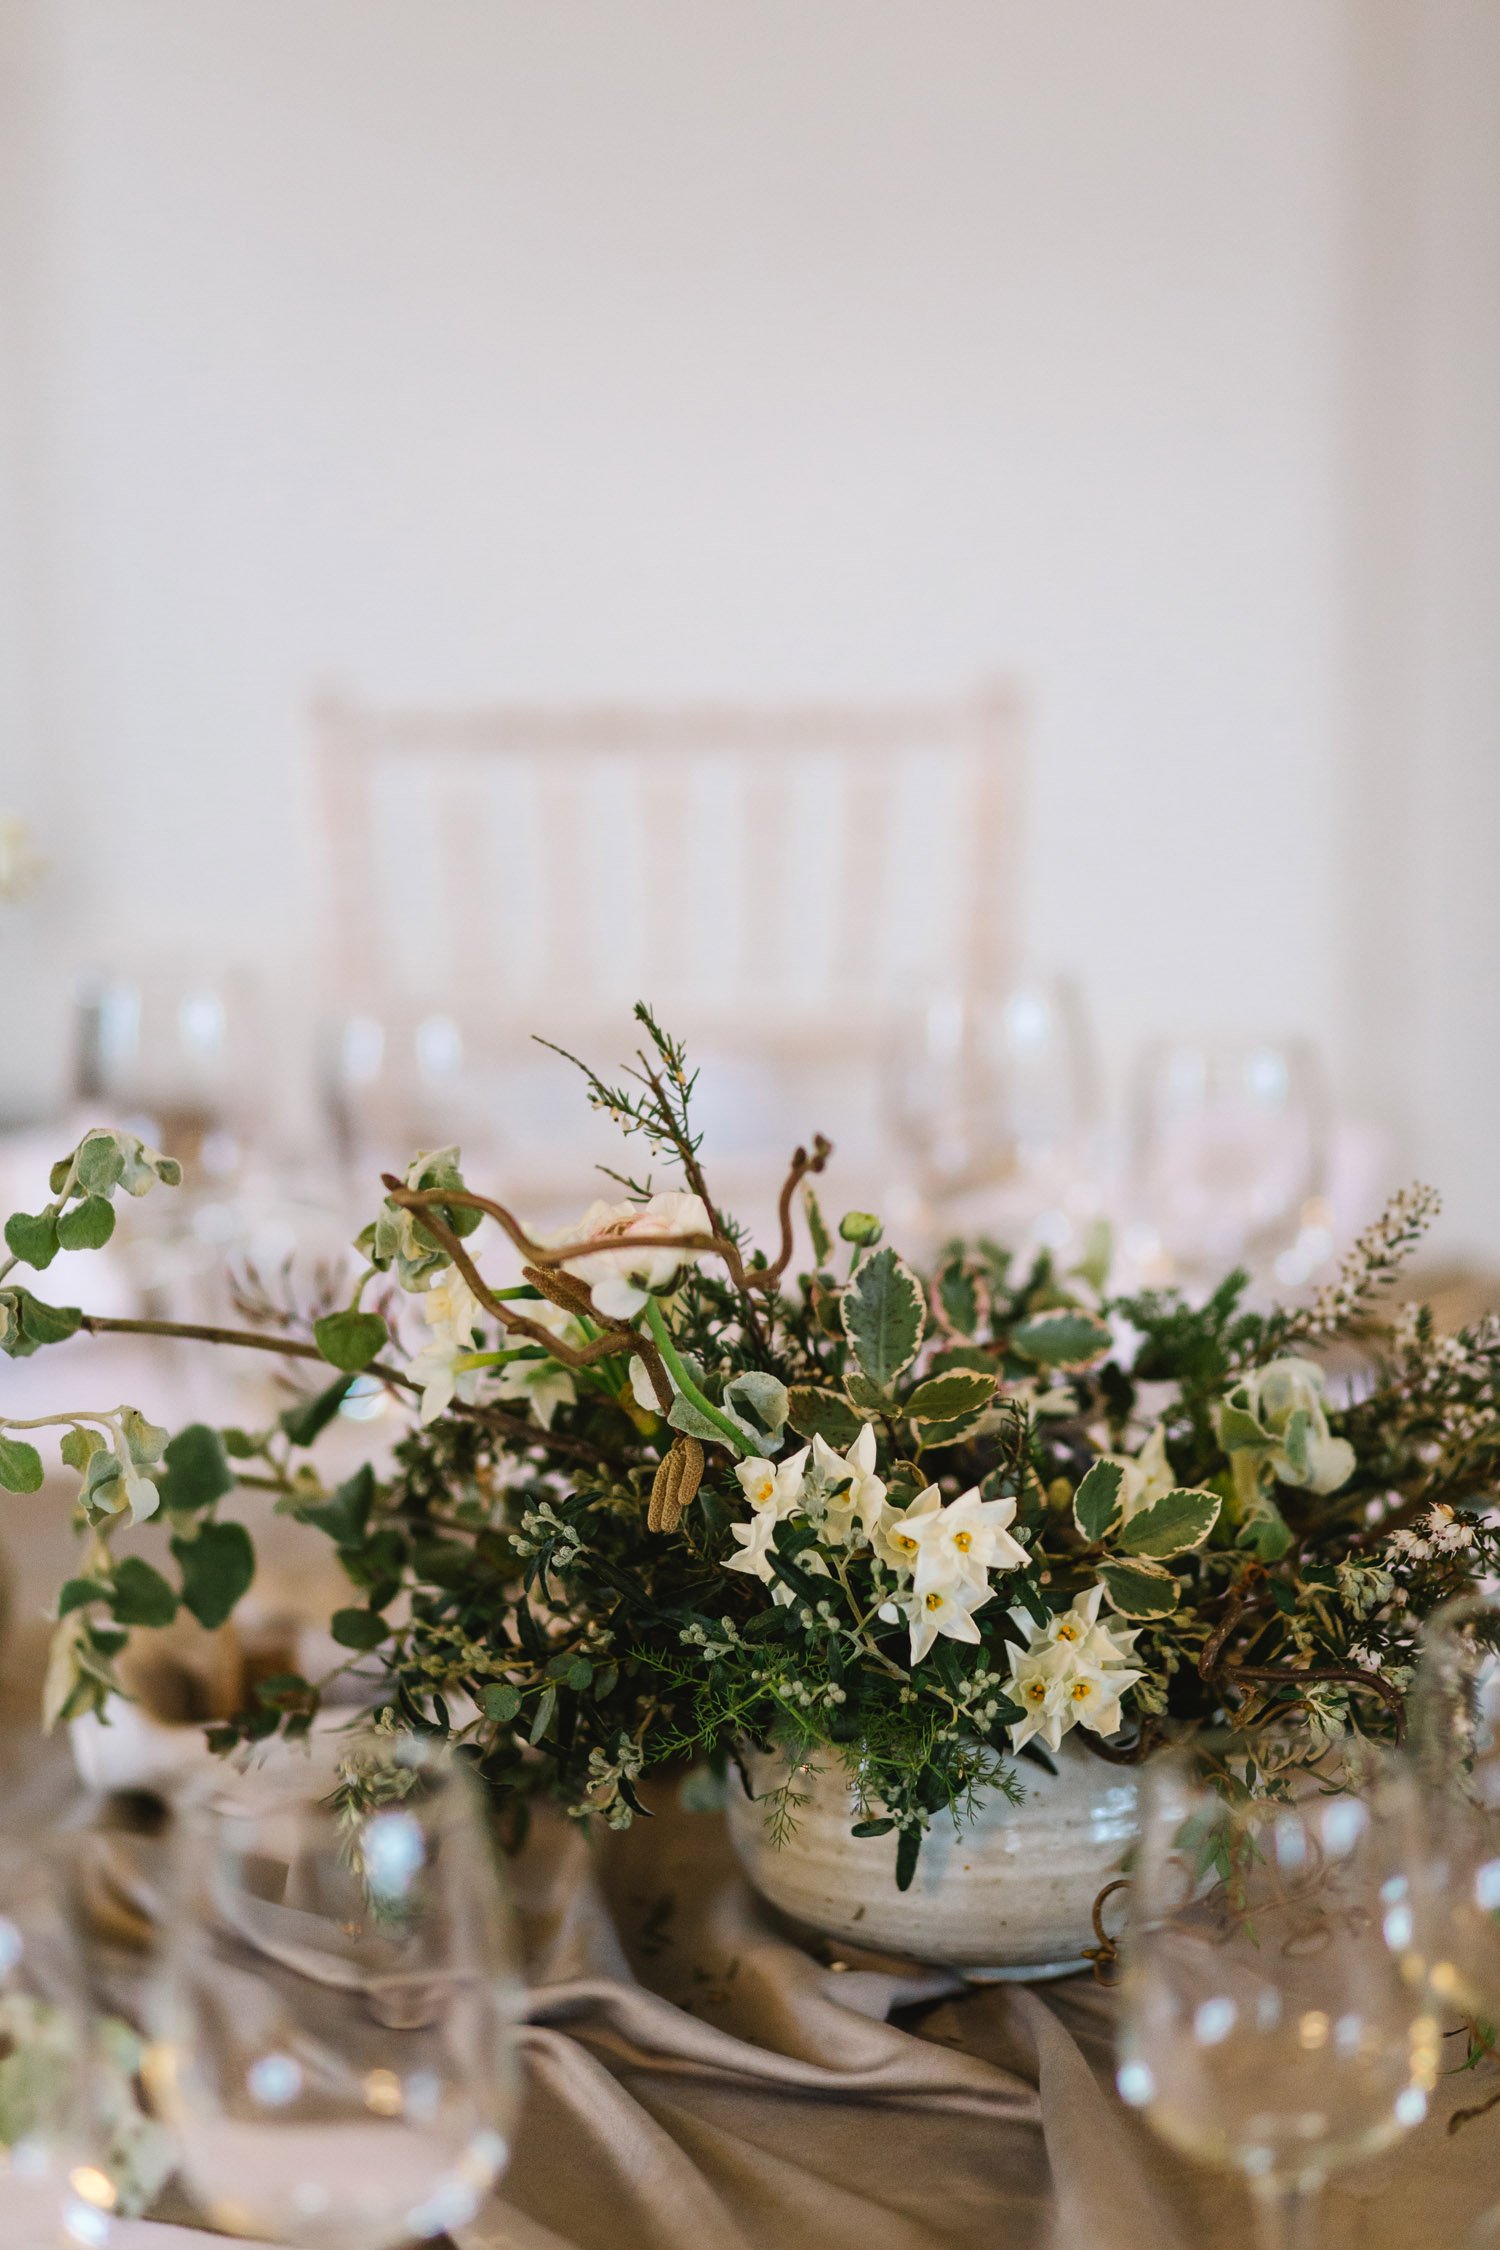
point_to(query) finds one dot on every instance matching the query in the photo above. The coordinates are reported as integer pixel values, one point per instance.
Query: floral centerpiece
(663, 1499)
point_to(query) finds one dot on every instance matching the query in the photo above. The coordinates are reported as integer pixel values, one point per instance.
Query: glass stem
(1286, 2214)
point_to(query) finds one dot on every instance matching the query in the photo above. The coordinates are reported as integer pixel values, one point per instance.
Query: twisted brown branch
(201, 1332)
(802, 1164)
(1348, 1675)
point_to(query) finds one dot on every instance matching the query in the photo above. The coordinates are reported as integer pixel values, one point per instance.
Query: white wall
(846, 345)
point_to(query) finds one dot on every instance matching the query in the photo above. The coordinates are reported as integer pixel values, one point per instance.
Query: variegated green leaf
(1172, 1525)
(884, 1315)
(1139, 1588)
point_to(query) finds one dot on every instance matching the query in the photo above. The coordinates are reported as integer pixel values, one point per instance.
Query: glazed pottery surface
(1008, 1894)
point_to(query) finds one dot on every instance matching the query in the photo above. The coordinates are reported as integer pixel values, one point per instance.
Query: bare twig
(1347, 1675)
(802, 1164)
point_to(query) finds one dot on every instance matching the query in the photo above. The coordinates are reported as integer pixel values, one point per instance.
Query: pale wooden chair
(772, 879)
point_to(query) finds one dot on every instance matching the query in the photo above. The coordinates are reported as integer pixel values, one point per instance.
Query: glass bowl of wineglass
(1275, 2019)
(334, 2009)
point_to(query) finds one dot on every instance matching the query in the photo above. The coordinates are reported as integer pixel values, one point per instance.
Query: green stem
(471, 1360)
(661, 1336)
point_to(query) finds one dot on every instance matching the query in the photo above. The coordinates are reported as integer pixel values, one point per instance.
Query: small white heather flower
(621, 1279)
(451, 1311)
(961, 1544)
(852, 1512)
(1450, 1533)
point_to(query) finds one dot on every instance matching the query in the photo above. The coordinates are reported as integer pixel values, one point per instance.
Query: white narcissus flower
(451, 1311)
(1073, 1672)
(895, 1537)
(621, 1279)
(754, 1538)
(961, 1544)
(545, 1384)
(773, 1488)
(942, 1609)
(854, 1511)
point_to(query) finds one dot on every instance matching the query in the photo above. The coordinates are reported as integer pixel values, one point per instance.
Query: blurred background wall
(1149, 355)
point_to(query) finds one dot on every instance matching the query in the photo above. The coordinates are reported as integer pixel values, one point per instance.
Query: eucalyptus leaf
(360, 1629)
(79, 1446)
(100, 1162)
(350, 1340)
(32, 1237)
(197, 1471)
(20, 1465)
(217, 1565)
(501, 1702)
(140, 1595)
(87, 1225)
(759, 1400)
(311, 1416)
(884, 1315)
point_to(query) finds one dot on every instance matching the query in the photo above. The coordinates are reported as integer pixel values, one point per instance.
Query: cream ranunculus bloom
(1277, 1415)
(622, 1279)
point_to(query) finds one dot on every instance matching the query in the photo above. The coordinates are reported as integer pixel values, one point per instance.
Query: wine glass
(47, 2067)
(1456, 1744)
(990, 1094)
(1275, 2020)
(1227, 1144)
(335, 2006)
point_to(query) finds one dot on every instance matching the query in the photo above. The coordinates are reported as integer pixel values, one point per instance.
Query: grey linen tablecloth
(701, 2077)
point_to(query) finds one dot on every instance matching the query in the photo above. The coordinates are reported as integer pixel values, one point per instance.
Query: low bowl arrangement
(921, 1564)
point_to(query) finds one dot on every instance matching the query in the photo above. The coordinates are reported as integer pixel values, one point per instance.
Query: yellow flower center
(935, 1601)
(1035, 1691)
(900, 1539)
(1067, 1632)
(1082, 1690)
(963, 1541)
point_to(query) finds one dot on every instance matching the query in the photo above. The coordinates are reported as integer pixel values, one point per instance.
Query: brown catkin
(677, 1479)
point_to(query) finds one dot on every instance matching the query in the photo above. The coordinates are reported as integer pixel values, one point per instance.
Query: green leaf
(958, 1294)
(1139, 1589)
(140, 1595)
(868, 1397)
(101, 1161)
(33, 1237)
(350, 1340)
(359, 1628)
(87, 1225)
(1068, 1338)
(947, 1398)
(1237, 1426)
(345, 1515)
(145, 1441)
(197, 1470)
(26, 1324)
(908, 1847)
(818, 1413)
(217, 1567)
(501, 1702)
(822, 1243)
(77, 1593)
(1172, 1525)
(546, 1706)
(883, 1314)
(239, 1444)
(20, 1466)
(311, 1416)
(1096, 1503)
(1266, 1533)
(872, 1828)
(79, 1447)
(758, 1400)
